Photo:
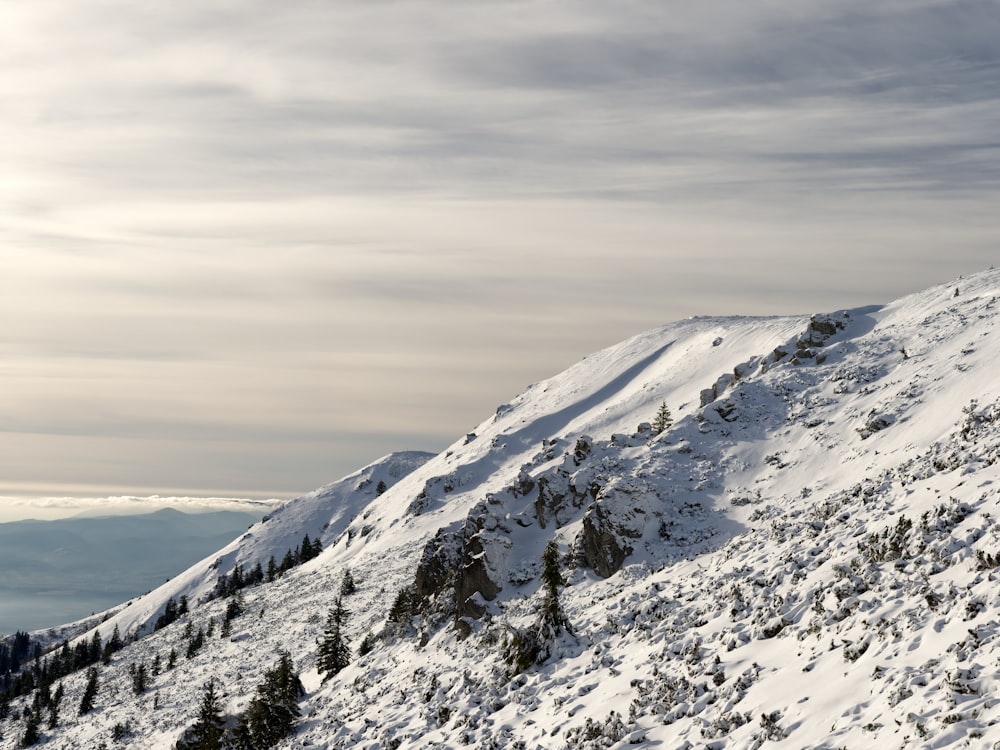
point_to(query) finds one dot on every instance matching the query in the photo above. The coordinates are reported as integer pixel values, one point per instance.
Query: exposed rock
(540, 508)
(473, 584)
(524, 485)
(551, 501)
(600, 548)
(819, 330)
(438, 564)
(873, 424)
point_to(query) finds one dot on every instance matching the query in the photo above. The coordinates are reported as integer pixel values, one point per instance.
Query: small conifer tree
(31, 735)
(114, 644)
(208, 732)
(334, 653)
(552, 618)
(140, 677)
(196, 642)
(89, 692)
(347, 585)
(367, 644)
(95, 649)
(306, 550)
(274, 710)
(54, 706)
(524, 647)
(663, 419)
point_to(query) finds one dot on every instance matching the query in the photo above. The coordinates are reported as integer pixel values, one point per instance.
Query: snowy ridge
(805, 558)
(322, 514)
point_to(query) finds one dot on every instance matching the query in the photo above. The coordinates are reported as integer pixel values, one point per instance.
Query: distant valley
(59, 571)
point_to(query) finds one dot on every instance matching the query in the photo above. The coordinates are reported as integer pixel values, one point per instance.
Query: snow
(802, 566)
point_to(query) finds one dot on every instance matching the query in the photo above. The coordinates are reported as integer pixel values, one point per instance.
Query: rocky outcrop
(438, 564)
(453, 576)
(602, 546)
(473, 584)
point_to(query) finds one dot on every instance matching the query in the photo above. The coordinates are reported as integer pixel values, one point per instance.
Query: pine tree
(551, 618)
(196, 642)
(31, 735)
(524, 647)
(274, 710)
(347, 585)
(43, 696)
(663, 419)
(367, 644)
(168, 616)
(256, 575)
(114, 644)
(238, 579)
(89, 692)
(289, 561)
(334, 653)
(234, 607)
(306, 549)
(209, 730)
(95, 647)
(54, 706)
(402, 607)
(63, 663)
(140, 677)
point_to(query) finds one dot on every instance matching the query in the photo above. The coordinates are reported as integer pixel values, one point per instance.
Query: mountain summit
(721, 533)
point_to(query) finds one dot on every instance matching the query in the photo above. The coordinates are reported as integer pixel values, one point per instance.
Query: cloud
(16, 508)
(253, 246)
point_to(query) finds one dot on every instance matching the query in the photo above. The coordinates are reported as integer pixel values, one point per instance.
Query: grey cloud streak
(270, 242)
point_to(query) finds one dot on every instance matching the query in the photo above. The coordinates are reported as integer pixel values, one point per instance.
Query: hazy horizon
(248, 249)
(59, 570)
(62, 507)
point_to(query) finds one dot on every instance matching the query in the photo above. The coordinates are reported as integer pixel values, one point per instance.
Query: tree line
(241, 578)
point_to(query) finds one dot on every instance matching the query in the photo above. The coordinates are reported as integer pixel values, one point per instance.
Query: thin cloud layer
(16, 508)
(250, 247)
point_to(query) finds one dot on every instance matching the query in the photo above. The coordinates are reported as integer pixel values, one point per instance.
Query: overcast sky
(247, 247)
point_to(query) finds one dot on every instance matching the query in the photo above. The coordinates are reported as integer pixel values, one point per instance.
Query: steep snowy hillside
(805, 557)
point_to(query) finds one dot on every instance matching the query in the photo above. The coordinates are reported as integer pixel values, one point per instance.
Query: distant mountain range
(723, 533)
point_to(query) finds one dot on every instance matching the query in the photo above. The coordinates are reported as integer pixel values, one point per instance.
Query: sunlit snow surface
(804, 568)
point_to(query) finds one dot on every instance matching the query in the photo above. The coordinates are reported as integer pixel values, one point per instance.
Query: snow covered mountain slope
(322, 514)
(806, 557)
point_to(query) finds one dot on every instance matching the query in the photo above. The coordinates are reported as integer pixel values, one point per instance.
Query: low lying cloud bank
(14, 508)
